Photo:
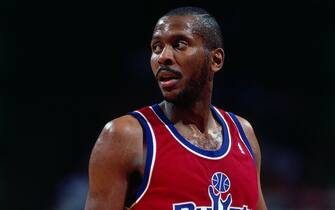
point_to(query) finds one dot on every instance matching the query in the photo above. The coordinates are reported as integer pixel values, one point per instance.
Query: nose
(166, 57)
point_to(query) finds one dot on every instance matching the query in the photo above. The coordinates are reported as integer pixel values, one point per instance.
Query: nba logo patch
(241, 149)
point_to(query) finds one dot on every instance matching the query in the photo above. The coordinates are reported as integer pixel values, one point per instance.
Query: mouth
(168, 80)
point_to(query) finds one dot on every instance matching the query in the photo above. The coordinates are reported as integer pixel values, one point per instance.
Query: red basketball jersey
(181, 176)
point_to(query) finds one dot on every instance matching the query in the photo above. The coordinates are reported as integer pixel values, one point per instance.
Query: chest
(191, 166)
(208, 140)
(181, 175)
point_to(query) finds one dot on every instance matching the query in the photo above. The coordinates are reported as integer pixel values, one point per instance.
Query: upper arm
(116, 154)
(249, 132)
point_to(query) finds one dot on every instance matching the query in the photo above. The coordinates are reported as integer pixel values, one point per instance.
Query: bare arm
(249, 132)
(117, 153)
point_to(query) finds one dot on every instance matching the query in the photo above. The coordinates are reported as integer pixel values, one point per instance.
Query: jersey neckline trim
(209, 154)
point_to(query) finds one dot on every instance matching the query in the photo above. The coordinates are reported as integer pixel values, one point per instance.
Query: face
(179, 59)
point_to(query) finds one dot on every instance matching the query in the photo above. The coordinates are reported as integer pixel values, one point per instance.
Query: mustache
(167, 68)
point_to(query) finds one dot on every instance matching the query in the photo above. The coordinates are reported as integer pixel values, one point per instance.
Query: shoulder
(246, 125)
(117, 153)
(122, 128)
(120, 140)
(251, 136)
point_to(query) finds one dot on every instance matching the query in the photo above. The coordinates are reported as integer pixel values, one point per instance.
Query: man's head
(186, 52)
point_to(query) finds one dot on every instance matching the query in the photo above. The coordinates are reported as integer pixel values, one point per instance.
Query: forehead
(174, 24)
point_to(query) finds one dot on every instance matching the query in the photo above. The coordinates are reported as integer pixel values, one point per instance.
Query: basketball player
(183, 153)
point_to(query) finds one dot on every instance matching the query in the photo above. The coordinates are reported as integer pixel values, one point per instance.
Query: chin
(170, 97)
(179, 99)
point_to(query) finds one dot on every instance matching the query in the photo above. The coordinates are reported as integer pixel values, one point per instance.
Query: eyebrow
(174, 36)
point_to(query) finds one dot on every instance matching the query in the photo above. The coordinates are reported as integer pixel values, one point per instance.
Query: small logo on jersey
(241, 149)
(220, 184)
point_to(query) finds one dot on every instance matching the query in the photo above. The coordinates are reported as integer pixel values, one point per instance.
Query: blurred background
(69, 67)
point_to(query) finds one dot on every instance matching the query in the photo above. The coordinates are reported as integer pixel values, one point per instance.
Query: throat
(210, 140)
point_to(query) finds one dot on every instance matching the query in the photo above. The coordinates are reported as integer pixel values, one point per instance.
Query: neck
(197, 113)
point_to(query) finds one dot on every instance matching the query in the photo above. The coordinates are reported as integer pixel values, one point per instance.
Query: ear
(217, 59)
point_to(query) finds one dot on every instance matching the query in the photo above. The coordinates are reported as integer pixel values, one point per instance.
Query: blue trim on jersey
(241, 131)
(148, 162)
(217, 153)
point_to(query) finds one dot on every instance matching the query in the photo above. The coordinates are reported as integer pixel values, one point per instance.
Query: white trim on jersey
(153, 158)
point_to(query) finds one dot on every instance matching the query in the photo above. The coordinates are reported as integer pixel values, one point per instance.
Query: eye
(156, 47)
(180, 44)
